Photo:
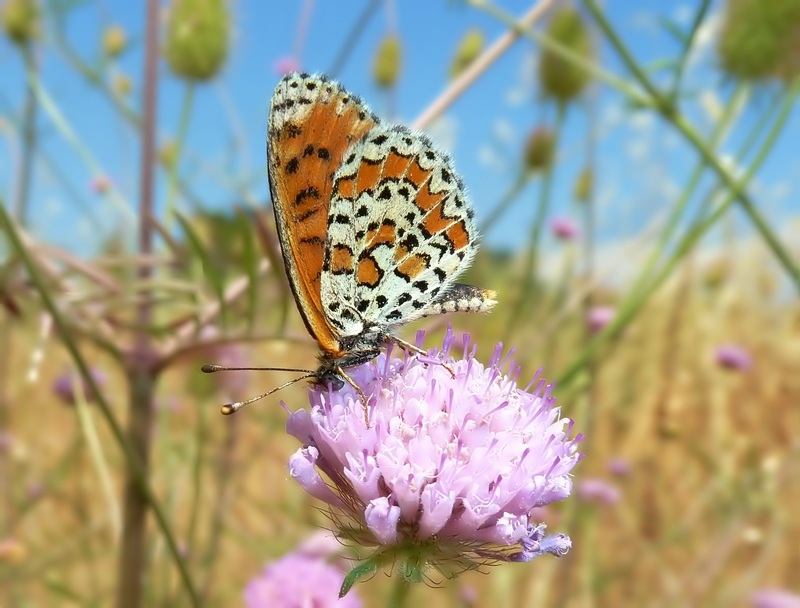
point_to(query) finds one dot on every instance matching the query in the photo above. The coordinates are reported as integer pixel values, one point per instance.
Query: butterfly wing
(400, 230)
(312, 123)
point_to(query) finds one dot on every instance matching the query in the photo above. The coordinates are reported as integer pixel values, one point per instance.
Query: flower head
(449, 468)
(734, 357)
(775, 598)
(598, 491)
(598, 317)
(564, 228)
(298, 581)
(64, 386)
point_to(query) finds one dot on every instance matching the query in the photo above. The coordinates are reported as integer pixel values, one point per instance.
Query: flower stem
(400, 592)
(670, 111)
(173, 175)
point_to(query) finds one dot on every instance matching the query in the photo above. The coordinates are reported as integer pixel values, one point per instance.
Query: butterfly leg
(408, 347)
(357, 388)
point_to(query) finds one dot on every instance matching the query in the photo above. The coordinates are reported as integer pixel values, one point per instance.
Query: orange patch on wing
(346, 188)
(368, 177)
(417, 174)
(382, 236)
(368, 272)
(458, 236)
(427, 201)
(413, 266)
(400, 253)
(341, 260)
(435, 222)
(320, 128)
(395, 166)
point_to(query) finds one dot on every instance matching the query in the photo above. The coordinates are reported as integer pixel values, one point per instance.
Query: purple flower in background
(619, 467)
(774, 598)
(299, 581)
(599, 491)
(598, 317)
(734, 357)
(64, 386)
(448, 469)
(101, 184)
(564, 228)
(285, 65)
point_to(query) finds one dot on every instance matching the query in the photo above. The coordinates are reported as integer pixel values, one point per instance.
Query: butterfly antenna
(232, 408)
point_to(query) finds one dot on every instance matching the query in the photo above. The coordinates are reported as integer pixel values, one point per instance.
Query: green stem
(508, 199)
(564, 52)
(699, 16)
(172, 175)
(679, 207)
(635, 300)
(670, 111)
(400, 592)
(131, 458)
(530, 271)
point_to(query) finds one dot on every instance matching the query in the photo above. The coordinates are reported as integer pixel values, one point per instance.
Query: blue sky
(642, 164)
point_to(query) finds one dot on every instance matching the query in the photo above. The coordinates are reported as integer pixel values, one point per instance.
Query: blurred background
(635, 173)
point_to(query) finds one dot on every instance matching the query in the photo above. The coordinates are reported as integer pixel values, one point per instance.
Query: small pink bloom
(64, 386)
(286, 65)
(734, 357)
(774, 598)
(564, 228)
(101, 184)
(619, 467)
(598, 317)
(299, 581)
(599, 491)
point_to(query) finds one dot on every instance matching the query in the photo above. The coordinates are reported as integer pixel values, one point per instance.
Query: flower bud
(759, 40)
(468, 49)
(122, 85)
(560, 78)
(21, 20)
(539, 149)
(584, 185)
(198, 33)
(388, 60)
(115, 41)
(168, 154)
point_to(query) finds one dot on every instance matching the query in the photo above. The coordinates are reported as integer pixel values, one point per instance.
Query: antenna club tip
(229, 408)
(209, 369)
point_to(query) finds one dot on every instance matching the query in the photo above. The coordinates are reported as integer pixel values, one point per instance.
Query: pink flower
(101, 184)
(734, 357)
(598, 317)
(286, 65)
(64, 386)
(298, 581)
(619, 467)
(564, 228)
(597, 491)
(449, 468)
(774, 598)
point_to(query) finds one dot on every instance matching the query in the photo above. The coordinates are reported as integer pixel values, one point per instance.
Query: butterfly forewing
(312, 123)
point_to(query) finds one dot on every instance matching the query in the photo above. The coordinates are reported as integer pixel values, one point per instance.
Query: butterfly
(373, 222)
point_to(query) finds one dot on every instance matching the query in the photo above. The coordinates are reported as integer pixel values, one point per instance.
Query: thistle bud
(559, 78)
(539, 149)
(21, 20)
(197, 38)
(468, 49)
(122, 85)
(388, 60)
(584, 185)
(168, 154)
(115, 41)
(759, 39)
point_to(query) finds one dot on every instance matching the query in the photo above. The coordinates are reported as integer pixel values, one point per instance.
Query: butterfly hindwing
(400, 230)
